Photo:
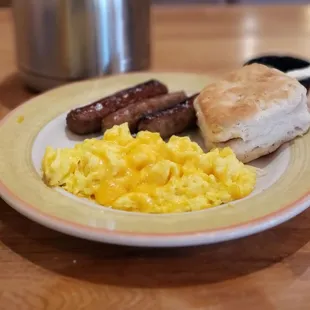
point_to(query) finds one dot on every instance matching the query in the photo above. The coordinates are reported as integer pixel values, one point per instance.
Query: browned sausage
(88, 119)
(132, 113)
(171, 121)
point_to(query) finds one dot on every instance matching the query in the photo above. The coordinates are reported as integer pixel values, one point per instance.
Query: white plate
(279, 195)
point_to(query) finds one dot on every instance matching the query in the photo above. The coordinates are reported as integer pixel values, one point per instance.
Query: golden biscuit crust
(242, 94)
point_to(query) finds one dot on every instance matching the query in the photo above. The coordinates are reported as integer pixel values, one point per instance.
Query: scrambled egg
(146, 174)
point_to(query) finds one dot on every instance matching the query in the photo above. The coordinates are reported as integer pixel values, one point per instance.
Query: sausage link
(132, 113)
(171, 121)
(88, 119)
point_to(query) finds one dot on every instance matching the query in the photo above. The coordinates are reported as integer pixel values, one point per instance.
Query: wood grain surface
(43, 269)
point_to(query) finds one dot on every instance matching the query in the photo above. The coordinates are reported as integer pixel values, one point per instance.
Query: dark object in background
(283, 63)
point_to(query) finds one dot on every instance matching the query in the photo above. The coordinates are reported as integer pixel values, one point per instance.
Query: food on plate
(253, 110)
(20, 119)
(172, 120)
(87, 119)
(132, 113)
(147, 174)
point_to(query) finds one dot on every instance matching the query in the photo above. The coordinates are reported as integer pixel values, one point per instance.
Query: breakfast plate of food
(161, 159)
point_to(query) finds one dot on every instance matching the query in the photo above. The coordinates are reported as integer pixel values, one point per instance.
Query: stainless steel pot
(58, 41)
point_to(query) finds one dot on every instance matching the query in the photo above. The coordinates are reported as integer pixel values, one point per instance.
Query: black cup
(283, 63)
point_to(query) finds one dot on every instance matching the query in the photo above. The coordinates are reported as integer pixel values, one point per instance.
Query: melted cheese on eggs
(147, 174)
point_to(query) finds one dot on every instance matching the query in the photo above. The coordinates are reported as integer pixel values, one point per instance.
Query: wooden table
(43, 269)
